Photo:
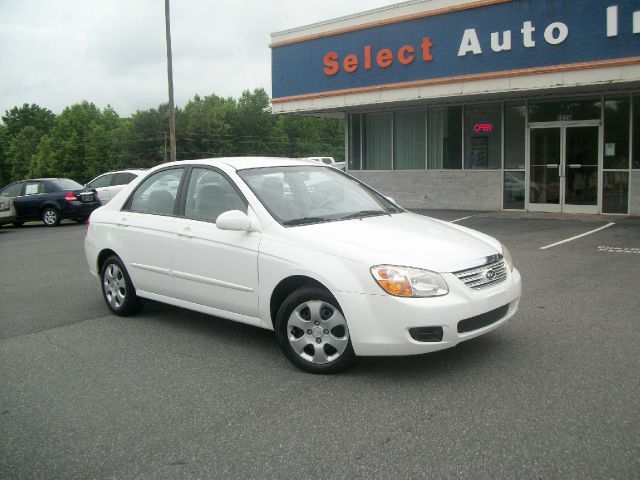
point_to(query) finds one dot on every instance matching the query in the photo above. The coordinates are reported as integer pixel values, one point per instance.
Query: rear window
(66, 184)
(122, 178)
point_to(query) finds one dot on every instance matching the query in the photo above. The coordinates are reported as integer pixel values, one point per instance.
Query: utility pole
(172, 113)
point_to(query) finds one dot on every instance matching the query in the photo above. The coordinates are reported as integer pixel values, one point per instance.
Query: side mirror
(234, 220)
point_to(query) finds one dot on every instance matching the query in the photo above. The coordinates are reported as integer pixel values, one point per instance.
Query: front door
(563, 168)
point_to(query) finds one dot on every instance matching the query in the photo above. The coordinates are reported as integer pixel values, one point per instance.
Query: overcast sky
(113, 52)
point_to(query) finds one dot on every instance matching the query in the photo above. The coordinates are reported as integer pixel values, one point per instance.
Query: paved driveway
(175, 394)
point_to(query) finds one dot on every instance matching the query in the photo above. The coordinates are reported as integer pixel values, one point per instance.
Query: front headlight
(507, 257)
(409, 282)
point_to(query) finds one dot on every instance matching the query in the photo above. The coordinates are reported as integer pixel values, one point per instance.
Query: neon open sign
(483, 128)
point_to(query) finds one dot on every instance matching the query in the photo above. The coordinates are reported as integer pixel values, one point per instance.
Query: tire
(313, 333)
(117, 289)
(51, 217)
(81, 220)
(18, 224)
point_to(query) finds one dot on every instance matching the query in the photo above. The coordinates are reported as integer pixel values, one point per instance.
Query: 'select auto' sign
(508, 36)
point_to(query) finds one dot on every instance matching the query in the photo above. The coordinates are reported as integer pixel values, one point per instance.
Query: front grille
(483, 320)
(484, 276)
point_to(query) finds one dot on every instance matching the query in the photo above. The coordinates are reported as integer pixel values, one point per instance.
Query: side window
(157, 194)
(122, 178)
(102, 181)
(33, 188)
(209, 195)
(11, 190)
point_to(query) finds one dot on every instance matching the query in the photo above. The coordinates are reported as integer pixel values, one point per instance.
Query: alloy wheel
(50, 217)
(317, 332)
(115, 286)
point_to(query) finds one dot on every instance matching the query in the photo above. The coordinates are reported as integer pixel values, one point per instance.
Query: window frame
(89, 185)
(126, 207)
(184, 190)
(20, 189)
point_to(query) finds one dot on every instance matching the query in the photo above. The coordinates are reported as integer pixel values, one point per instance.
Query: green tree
(22, 129)
(105, 143)
(64, 153)
(252, 124)
(16, 119)
(5, 169)
(22, 150)
(206, 127)
(146, 134)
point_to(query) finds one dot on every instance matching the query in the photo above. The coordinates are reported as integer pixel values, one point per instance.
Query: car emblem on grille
(490, 274)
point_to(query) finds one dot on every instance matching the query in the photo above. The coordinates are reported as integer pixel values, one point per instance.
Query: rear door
(145, 228)
(33, 196)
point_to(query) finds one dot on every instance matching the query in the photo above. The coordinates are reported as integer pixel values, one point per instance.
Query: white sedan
(335, 268)
(109, 184)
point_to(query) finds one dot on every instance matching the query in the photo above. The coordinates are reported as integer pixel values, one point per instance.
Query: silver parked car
(7, 211)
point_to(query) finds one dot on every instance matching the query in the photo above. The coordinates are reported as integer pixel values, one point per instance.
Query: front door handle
(575, 165)
(123, 222)
(552, 165)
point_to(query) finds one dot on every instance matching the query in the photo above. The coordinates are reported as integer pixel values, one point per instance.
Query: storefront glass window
(444, 138)
(514, 135)
(377, 141)
(564, 110)
(482, 137)
(408, 140)
(354, 142)
(636, 131)
(615, 190)
(616, 132)
(513, 192)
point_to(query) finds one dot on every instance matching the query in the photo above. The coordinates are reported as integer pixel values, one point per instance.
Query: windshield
(306, 194)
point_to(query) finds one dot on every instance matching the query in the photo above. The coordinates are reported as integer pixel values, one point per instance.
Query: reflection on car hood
(403, 239)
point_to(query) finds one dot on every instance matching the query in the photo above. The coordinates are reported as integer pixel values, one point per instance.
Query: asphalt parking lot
(555, 393)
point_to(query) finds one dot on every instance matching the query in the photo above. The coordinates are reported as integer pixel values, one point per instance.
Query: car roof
(42, 179)
(242, 163)
(126, 170)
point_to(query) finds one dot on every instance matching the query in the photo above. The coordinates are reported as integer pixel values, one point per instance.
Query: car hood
(402, 239)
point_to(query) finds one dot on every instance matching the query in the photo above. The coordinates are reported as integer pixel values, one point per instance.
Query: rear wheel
(117, 288)
(50, 217)
(81, 220)
(313, 333)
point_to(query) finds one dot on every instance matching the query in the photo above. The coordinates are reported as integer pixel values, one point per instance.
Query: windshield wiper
(306, 220)
(364, 213)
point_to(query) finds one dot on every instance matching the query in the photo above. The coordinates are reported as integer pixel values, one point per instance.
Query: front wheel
(117, 288)
(50, 217)
(313, 332)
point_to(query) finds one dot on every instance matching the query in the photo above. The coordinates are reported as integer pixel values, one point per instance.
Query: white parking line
(578, 236)
(458, 219)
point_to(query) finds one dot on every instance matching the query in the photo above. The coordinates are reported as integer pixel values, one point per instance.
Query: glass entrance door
(563, 168)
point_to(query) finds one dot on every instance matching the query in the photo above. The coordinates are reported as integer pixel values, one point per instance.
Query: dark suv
(51, 200)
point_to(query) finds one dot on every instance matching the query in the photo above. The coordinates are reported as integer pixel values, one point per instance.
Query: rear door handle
(575, 165)
(185, 232)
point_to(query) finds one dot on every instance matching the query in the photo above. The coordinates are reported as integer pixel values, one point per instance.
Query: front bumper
(380, 324)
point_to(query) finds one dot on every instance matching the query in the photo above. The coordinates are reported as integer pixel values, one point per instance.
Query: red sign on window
(483, 127)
